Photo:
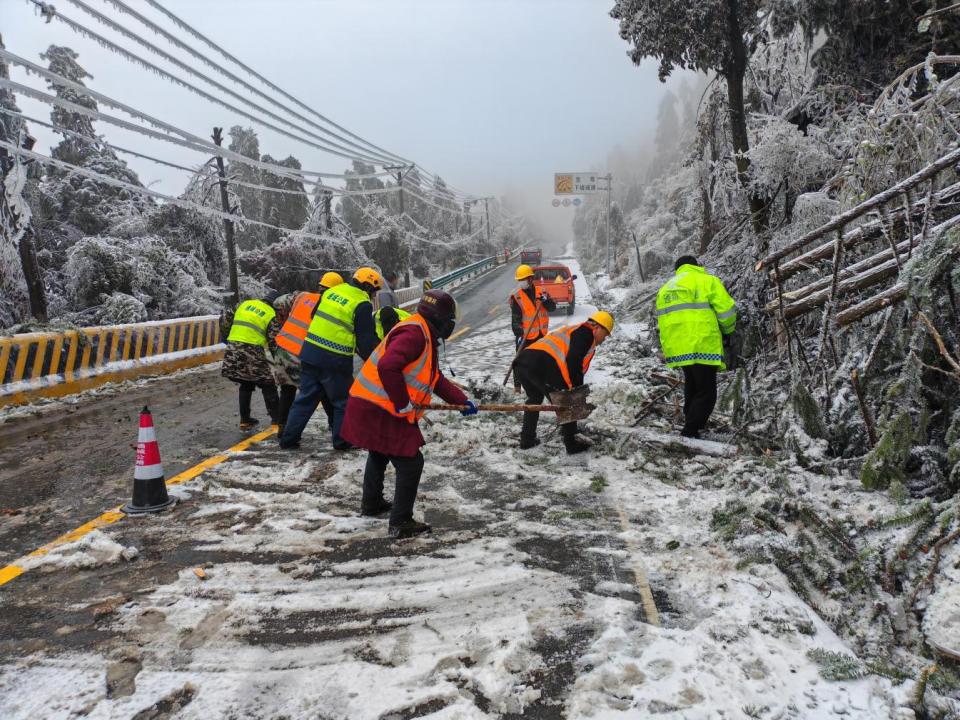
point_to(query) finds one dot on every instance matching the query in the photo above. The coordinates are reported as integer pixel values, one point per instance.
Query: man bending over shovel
(557, 363)
(387, 400)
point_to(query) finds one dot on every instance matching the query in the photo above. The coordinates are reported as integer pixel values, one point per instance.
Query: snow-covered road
(264, 595)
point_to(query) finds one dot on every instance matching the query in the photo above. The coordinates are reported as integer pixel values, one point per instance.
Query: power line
(199, 36)
(185, 204)
(136, 59)
(84, 138)
(173, 40)
(194, 170)
(189, 139)
(187, 28)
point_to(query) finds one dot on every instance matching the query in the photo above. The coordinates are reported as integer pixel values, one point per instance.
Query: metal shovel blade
(572, 404)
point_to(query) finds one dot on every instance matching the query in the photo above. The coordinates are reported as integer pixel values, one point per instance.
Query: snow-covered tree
(708, 36)
(249, 201)
(866, 43)
(73, 199)
(289, 208)
(15, 218)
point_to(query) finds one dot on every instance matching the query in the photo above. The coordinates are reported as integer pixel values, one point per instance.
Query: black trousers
(270, 399)
(699, 397)
(409, 470)
(539, 378)
(287, 394)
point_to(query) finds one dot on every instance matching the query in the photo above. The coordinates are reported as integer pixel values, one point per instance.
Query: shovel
(569, 405)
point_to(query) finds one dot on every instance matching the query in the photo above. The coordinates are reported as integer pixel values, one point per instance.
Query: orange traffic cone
(149, 488)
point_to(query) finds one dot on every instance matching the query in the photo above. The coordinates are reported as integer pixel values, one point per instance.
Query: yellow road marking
(639, 573)
(458, 333)
(13, 570)
(496, 309)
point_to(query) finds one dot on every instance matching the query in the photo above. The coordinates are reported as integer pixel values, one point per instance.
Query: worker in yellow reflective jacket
(341, 326)
(245, 357)
(694, 312)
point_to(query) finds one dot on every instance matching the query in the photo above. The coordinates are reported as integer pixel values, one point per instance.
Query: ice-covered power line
(179, 202)
(96, 141)
(338, 192)
(77, 27)
(186, 139)
(137, 60)
(186, 27)
(183, 25)
(376, 156)
(123, 8)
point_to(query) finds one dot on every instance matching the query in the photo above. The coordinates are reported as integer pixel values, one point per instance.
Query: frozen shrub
(120, 308)
(95, 267)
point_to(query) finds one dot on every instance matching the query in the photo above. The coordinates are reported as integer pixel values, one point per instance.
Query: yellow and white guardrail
(54, 364)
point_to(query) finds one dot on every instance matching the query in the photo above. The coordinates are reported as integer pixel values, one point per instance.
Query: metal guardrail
(407, 296)
(53, 364)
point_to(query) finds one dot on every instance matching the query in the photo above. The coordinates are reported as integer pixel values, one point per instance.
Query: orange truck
(557, 282)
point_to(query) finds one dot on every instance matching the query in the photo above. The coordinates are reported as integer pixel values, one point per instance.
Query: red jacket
(370, 427)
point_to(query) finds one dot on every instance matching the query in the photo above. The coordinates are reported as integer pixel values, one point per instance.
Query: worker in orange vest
(529, 319)
(294, 311)
(558, 362)
(386, 402)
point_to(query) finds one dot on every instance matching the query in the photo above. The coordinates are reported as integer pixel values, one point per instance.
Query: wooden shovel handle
(496, 407)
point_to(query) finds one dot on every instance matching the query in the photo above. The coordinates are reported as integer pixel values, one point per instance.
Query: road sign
(584, 183)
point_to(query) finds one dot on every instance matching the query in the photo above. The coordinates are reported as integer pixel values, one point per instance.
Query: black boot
(246, 420)
(528, 431)
(408, 528)
(570, 441)
(378, 509)
(272, 401)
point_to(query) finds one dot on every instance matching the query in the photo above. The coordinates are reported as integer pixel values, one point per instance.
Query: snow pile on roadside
(94, 549)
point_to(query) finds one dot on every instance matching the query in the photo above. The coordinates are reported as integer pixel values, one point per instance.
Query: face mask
(445, 328)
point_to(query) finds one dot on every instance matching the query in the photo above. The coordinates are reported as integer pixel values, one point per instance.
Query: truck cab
(557, 282)
(531, 256)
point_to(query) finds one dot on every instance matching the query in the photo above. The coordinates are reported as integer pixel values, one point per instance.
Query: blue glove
(471, 409)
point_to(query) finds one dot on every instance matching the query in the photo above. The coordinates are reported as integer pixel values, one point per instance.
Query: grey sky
(491, 94)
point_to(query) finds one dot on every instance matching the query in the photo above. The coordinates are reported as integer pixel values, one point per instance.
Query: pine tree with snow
(707, 36)
(21, 283)
(249, 201)
(288, 208)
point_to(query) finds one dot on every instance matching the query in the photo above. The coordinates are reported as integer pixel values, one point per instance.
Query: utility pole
(609, 191)
(399, 170)
(227, 223)
(486, 212)
(327, 210)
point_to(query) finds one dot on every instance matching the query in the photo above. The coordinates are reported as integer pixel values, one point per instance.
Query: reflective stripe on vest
(331, 327)
(420, 376)
(250, 321)
(557, 346)
(294, 330)
(401, 316)
(533, 316)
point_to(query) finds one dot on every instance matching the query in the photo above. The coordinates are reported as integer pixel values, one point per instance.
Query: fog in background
(494, 95)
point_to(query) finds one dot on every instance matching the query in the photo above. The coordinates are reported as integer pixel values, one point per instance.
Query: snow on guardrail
(53, 364)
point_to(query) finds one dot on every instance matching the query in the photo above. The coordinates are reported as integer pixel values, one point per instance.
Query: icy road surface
(263, 595)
